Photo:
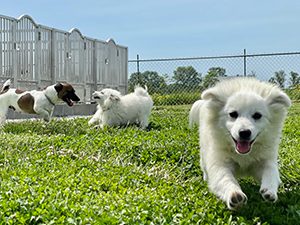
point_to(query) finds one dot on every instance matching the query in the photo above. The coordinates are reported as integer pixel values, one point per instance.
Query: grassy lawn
(64, 172)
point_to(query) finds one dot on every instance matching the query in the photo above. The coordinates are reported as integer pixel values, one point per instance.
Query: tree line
(187, 79)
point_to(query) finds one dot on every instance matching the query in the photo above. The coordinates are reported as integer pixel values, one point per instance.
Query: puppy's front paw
(236, 200)
(268, 195)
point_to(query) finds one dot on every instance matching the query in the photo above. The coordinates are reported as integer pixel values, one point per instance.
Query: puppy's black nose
(245, 134)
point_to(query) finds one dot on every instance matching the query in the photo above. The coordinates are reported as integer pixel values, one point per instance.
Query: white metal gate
(35, 56)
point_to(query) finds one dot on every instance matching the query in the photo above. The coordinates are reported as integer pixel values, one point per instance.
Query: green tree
(212, 77)
(294, 79)
(154, 82)
(186, 78)
(278, 78)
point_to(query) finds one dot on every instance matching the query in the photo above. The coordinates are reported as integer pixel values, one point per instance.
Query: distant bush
(182, 98)
(294, 93)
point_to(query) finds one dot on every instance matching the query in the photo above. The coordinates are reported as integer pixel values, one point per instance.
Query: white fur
(223, 159)
(101, 97)
(194, 114)
(6, 84)
(116, 110)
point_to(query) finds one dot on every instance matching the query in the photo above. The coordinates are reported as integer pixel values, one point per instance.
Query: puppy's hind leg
(3, 112)
(144, 122)
(2, 119)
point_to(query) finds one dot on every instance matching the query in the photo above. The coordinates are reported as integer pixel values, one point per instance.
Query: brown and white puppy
(35, 102)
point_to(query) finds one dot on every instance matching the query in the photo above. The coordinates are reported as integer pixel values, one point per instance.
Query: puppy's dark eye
(234, 114)
(256, 116)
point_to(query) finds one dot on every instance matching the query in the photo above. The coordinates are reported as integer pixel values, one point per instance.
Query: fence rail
(35, 56)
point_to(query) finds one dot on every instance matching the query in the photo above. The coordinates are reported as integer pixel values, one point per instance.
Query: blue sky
(174, 28)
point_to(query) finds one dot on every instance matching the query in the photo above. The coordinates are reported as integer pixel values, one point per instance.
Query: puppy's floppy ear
(114, 98)
(212, 95)
(58, 87)
(278, 98)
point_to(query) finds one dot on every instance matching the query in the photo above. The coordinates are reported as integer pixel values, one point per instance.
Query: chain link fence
(181, 80)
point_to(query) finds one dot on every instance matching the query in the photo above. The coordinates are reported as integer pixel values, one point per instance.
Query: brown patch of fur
(18, 91)
(66, 92)
(65, 88)
(26, 103)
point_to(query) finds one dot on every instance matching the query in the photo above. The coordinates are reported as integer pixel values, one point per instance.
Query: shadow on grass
(285, 211)
(77, 126)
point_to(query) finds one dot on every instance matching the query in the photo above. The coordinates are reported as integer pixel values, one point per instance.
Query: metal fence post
(138, 69)
(14, 54)
(94, 66)
(52, 57)
(245, 63)
(37, 55)
(138, 63)
(84, 69)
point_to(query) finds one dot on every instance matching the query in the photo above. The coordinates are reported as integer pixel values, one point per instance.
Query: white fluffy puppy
(194, 114)
(100, 97)
(134, 108)
(240, 127)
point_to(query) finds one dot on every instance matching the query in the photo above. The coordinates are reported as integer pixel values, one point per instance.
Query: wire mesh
(181, 80)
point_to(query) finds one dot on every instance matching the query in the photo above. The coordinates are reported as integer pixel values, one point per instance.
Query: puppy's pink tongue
(69, 102)
(243, 147)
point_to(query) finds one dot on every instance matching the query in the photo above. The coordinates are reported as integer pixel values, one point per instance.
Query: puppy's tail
(138, 90)
(194, 114)
(5, 86)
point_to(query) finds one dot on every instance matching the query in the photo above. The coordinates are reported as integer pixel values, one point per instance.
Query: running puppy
(116, 110)
(100, 97)
(35, 102)
(240, 127)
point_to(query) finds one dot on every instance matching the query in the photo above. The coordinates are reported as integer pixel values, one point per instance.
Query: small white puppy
(100, 97)
(240, 127)
(194, 114)
(116, 110)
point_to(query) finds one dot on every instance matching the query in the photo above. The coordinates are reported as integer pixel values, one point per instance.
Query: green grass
(64, 172)
(181, 98)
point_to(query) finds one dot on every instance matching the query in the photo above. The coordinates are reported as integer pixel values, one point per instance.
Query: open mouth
(69, 101)
(243, 146)
(96, 97)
